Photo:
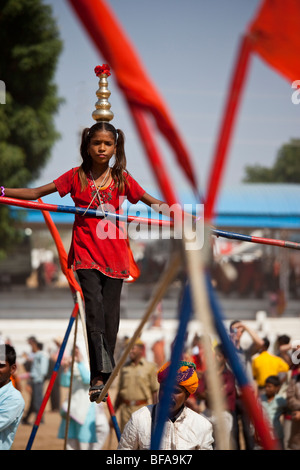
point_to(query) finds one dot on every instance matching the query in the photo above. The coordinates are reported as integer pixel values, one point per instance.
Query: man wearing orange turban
(186, 375)
(184, 430)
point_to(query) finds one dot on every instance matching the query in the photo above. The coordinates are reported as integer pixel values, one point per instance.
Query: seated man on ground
(184, 430)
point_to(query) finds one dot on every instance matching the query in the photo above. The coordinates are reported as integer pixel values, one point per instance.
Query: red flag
(154, 155)
(131, 77)
(275, 36)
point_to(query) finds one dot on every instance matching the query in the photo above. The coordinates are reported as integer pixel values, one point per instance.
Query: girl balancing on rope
(99, 251)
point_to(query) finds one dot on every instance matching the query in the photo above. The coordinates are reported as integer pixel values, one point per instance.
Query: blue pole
(164, 403)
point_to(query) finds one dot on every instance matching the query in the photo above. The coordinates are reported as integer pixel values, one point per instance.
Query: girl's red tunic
(99, 243)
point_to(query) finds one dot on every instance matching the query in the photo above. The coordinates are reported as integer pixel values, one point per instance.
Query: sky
(188, 49)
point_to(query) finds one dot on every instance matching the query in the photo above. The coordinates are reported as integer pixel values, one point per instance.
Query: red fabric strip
(229, 117)
(274, 35)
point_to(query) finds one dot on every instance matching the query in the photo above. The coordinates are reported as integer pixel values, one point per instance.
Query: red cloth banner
(275, 36)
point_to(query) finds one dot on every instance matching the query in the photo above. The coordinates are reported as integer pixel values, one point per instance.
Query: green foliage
(286, 168)
(30, 47)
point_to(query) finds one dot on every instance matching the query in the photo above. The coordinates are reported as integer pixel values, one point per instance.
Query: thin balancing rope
(163, 284)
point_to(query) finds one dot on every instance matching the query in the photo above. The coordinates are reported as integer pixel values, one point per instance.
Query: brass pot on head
(103, 111)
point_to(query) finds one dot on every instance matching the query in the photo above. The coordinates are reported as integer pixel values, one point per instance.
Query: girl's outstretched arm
(156, 204)
(30, 193)
(160, 206)
(163, 207)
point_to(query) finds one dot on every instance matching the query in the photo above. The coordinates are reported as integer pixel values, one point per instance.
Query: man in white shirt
(11, 401)
(184, 430)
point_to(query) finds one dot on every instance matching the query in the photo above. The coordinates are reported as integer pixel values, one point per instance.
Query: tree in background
(30, 47)
(286, 168)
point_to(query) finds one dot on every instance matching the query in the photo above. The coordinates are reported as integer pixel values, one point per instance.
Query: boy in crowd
(275, 406)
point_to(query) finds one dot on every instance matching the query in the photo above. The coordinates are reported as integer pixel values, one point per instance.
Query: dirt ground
(46, 436)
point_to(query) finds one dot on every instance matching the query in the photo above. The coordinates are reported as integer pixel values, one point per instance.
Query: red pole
(256, 414)
(155, 159)
(229, 117)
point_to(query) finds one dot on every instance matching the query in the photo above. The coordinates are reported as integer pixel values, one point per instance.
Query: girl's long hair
(117, 171)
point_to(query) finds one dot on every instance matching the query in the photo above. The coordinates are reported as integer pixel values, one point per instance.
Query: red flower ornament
(102, 69)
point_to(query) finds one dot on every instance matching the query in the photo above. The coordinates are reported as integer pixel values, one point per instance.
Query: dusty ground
(46, 436)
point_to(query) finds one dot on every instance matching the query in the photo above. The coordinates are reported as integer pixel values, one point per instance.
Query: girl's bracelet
(2, 191)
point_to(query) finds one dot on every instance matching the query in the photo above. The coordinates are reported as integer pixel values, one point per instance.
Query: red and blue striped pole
(80, 211)
(113, 418)
(142, 220)
(253, 239)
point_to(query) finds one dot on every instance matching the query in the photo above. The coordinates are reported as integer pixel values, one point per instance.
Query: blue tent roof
(246, 205)
(260, 205)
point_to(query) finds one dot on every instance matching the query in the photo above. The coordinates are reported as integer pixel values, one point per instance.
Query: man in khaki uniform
(138, 385)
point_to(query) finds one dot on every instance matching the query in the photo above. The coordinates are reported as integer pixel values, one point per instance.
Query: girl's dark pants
(102, 309)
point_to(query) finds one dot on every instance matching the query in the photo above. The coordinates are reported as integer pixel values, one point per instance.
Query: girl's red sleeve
(64, 182)
(133, 190)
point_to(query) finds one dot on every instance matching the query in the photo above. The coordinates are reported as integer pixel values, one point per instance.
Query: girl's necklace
(104, 179)
(103, 182)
